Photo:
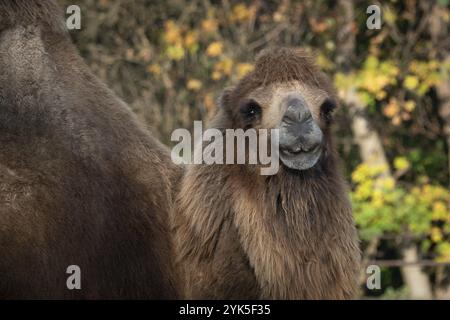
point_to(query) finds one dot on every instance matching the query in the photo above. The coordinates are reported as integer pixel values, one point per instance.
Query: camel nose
(299, 132)
(297, 111)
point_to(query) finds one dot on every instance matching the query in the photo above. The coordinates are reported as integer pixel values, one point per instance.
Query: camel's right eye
(251, 110)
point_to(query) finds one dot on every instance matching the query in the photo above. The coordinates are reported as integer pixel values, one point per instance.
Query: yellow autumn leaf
(210, 106)
(391, 109)
(361, 173)
(380, 95)
(364, 190)
(378, 198)
(216, 75)
(175, 52)
(191, 39)
(439, 210)
(389, 15)
(409, 105)
(396, 121)
(443, 250)
(387, 183)
(209, 25)
(401, 163)
(433, 64)
(154, 69)
(415, 191)
(194, 84)
(172, 33)
(324, 62)
(214, 49)
(243, 68)
(225, 66)
(411, 82)
(436, 234)
(240, 12)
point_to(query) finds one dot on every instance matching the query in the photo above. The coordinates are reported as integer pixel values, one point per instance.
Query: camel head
(286, 91)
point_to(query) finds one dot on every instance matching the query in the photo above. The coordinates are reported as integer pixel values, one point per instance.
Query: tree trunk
(370, 145)
(367, 138)
(416, 280)
(443, 94)
(439, 36)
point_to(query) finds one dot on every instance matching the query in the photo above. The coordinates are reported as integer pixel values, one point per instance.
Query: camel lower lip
(300, 160)
(292, 153)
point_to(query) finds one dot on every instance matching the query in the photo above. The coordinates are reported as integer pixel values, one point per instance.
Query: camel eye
(251, 110)
(326, 108)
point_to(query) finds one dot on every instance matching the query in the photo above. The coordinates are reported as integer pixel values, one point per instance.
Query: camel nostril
(297, 110)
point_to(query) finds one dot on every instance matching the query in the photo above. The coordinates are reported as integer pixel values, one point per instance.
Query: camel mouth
(299, 157)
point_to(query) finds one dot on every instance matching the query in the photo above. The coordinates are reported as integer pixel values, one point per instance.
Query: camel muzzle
(301, 138)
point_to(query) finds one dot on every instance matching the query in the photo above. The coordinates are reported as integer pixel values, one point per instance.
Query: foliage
(382, 207)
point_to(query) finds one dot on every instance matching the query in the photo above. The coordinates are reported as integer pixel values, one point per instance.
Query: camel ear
(225, 98)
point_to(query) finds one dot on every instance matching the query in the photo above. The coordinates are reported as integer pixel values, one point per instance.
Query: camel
(242, 235)
(82, 181)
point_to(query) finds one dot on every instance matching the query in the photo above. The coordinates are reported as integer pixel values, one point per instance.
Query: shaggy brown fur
(291, 236)
(81, 182)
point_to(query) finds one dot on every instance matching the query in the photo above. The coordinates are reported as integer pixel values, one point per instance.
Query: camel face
(298, 111)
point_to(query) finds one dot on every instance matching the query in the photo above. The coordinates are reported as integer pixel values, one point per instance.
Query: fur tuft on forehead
(283, 65)
(280, 65)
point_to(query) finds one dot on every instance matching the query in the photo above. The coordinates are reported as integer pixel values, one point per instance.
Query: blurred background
(171, 59)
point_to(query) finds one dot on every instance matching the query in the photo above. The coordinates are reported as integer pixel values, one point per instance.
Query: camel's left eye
(326, 108)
